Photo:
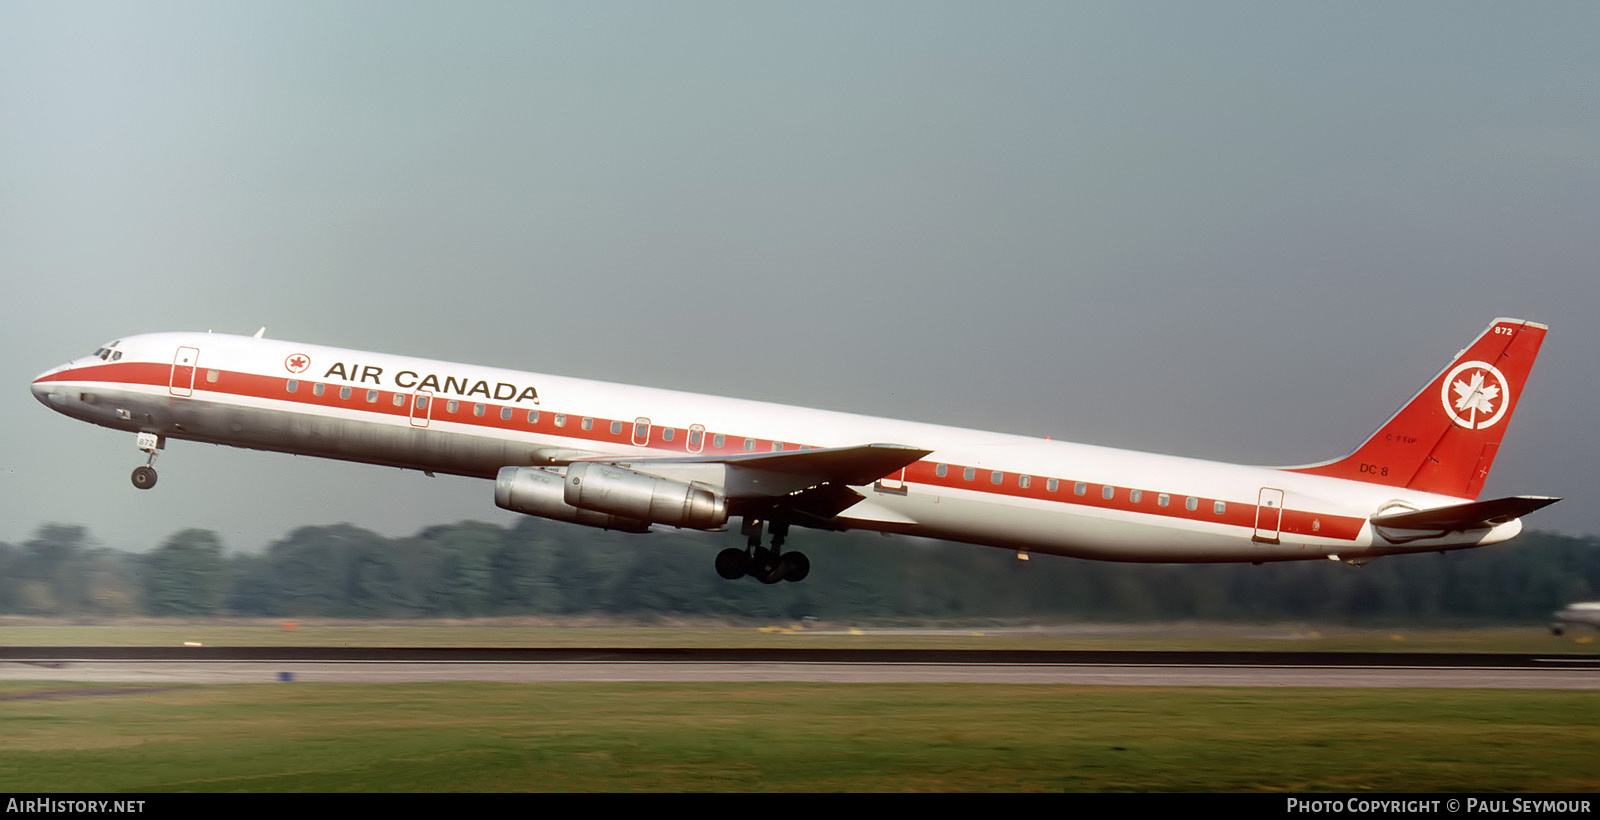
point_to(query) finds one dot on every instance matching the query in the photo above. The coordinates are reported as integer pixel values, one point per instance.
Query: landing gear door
(1269, 515)
(183, 365)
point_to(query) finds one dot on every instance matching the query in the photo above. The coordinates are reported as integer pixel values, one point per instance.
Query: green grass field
(481, 737)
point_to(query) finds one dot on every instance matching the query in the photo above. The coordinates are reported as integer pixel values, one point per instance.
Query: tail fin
(1444, 440)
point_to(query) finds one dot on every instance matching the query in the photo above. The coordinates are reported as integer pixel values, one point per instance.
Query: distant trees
(185, 576)
(541, 567)
(59, 571)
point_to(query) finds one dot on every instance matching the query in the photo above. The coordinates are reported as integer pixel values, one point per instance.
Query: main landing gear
(144, 477)
(767, 565)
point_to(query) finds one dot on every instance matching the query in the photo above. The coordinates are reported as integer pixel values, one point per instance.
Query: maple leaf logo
(1475, 395)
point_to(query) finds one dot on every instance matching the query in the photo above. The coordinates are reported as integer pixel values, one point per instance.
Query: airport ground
(599, 632)
(74, 736)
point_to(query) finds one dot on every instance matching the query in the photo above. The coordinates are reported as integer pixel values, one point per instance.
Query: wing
(813, 485)
(862, 464)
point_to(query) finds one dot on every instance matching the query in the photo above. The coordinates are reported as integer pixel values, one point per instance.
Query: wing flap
(1476, 515)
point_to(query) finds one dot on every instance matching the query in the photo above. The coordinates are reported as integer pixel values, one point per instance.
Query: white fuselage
(985, 488)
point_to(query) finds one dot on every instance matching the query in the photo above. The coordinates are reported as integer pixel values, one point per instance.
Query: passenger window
(505, 414)
(211, 376)
(344, 392)
(561, 419)
(533, 416)
(399, 400)
(422, 402)
(477, 409)
(1080, 488)
(666, 434)
(1220, 507)
(1163, 500)
(588, 423)
(969, 473)
(1191, 503)
(1135, 496)
(316, 389)
(451, 406)
(996, 477)
(777, 446)
(372, 396)
(1024, 481)
(716, 441)
(1108, 492)
(291, 386)
(616, 428)
(749, 444)
(940, 469)
(696, 435)
(1051, 484)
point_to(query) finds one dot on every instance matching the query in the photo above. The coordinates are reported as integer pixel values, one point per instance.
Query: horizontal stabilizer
(1477, 515)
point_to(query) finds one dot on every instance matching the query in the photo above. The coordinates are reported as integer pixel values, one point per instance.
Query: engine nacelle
(532, 491)
(610, 489)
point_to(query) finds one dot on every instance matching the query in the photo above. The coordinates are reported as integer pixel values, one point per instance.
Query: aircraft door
(183, 364)
(1269, 515)
(893, 483)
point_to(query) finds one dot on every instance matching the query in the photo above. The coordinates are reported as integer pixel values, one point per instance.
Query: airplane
(1583, 613)
(639, 458)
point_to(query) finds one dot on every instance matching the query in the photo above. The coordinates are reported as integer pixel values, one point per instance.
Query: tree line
(540, 567)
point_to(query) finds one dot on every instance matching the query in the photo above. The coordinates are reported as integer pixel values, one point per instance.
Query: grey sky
(1240, 231)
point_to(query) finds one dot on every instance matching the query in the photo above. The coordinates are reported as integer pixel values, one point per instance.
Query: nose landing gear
(767, 565)
(144, 477)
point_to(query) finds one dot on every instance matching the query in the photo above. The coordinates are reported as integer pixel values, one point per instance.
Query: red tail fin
(1444, 440)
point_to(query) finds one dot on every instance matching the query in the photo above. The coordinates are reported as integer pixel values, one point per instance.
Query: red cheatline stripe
(272, 388)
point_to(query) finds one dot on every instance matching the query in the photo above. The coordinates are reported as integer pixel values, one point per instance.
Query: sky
(1236, 231)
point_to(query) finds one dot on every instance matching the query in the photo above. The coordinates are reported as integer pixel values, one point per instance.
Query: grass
(481, 737)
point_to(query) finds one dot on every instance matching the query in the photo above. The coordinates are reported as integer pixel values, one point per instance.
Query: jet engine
(532, 491)
(619, 491)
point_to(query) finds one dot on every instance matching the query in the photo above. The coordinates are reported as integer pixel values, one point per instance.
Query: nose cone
(42, 387)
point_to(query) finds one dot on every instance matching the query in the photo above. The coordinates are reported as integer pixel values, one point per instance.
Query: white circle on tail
(1475, 394)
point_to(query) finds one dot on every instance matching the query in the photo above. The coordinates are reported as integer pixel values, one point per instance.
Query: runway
(190, 665)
